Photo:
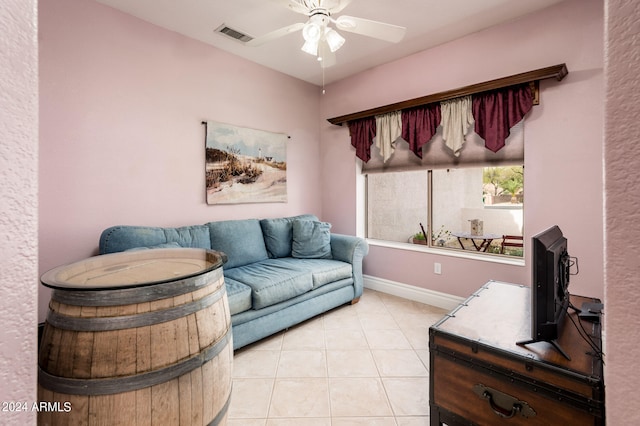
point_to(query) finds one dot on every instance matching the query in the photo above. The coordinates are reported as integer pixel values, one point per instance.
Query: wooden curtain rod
(557, 71)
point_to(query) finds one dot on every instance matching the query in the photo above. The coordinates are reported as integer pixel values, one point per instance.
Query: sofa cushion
(271, 282)
(238, 295)
(240, 240)
(278, 234)
(323, 271)
(120, 238)
(311, 240)
(159, 246)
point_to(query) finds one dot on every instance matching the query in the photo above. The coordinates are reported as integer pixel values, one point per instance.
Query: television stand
(478, 375)
(553, 342)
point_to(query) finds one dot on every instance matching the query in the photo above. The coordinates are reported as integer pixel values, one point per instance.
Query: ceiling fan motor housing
(312, 5)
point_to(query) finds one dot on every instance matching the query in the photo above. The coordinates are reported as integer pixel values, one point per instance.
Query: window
(446, 203)
(397, 203)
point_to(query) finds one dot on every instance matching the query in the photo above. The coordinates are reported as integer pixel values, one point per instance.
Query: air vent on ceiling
(234, 34)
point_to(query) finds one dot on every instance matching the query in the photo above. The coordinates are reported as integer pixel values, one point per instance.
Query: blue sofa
(279, 272)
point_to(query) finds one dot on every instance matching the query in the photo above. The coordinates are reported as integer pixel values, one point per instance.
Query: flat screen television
(549, 286)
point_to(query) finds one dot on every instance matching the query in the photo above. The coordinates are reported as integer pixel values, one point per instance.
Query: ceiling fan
(320, 39)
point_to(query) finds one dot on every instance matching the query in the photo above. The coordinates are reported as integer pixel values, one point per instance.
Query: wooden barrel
(137, 338)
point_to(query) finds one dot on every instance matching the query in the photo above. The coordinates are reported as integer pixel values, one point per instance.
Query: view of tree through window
(458, 209)
(502, 181)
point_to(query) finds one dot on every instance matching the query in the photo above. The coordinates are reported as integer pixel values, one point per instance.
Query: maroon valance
(495, 112)
(362, 132)
(419, 124)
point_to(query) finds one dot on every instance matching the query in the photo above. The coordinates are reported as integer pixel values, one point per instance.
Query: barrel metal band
(133, 321)
(126, 296)
(110, 386)
(223, 411)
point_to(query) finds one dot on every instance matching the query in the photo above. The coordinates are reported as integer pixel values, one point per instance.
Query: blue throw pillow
(278, 234)
(311, 240)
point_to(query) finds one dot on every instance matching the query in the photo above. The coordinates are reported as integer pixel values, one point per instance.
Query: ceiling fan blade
(259, 41)
(294, 5)
(305, 6)
(375, 29)
(341, 5)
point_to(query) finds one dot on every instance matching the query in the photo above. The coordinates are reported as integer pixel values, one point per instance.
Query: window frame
(429, 248)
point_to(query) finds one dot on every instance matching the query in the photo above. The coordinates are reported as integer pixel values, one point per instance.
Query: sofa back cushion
(278, 234)
(241, 240)
(121, 238)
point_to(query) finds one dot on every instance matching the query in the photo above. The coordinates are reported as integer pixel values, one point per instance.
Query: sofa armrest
(348, 248)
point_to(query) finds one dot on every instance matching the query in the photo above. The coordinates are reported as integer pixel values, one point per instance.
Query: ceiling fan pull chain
(323, 81)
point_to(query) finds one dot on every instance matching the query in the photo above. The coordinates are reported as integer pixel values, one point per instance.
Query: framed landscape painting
(244, 165)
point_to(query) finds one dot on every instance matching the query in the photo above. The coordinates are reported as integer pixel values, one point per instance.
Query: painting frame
(244, 165)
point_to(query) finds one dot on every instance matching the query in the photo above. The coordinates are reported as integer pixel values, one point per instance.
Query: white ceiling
(428, 23)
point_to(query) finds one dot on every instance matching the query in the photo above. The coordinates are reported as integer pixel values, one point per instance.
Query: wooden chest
(479, 376)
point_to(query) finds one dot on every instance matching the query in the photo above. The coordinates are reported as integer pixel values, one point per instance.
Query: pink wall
(72, 133)
(563, 157)
(18, 207)
(622, 210)
(121, 104)
(18, 124)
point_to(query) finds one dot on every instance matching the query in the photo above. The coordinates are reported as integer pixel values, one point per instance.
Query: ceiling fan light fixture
(311, 32)
(334, 40)
(310, 47)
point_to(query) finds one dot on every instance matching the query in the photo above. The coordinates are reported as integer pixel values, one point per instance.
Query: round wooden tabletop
(133, 269)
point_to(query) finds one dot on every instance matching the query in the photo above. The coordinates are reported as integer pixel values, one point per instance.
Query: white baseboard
(422, 295)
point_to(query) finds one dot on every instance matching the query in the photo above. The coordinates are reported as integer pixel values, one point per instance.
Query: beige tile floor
(363, 364)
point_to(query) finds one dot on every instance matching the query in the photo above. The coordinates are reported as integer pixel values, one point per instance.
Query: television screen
(549, 286)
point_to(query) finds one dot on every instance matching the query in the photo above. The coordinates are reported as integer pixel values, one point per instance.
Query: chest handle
(502, 404)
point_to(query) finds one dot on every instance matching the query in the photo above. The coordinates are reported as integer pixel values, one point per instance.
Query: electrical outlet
(437, 268)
